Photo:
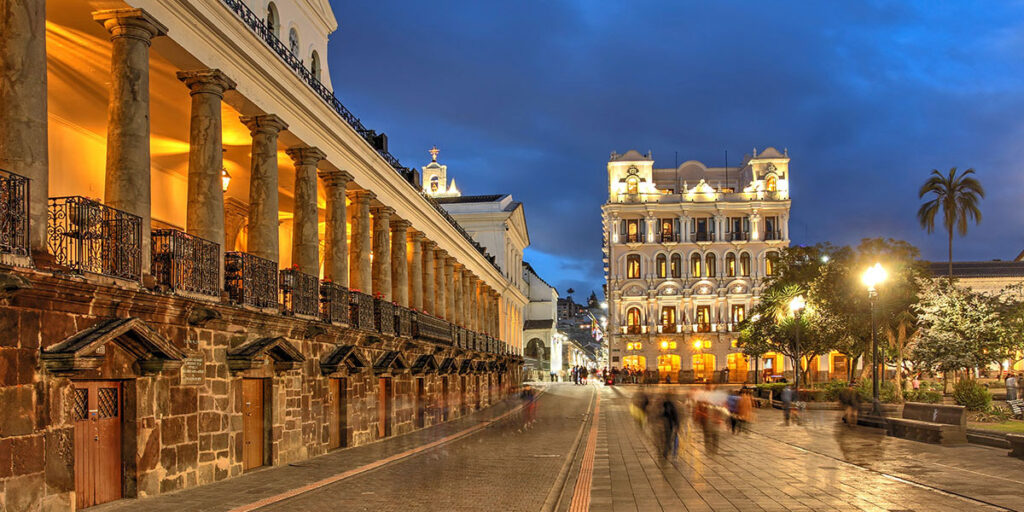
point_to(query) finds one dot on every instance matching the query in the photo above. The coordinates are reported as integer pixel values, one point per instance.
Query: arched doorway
(668, 366)
(634, 363)
(737, 364)
(703, 367)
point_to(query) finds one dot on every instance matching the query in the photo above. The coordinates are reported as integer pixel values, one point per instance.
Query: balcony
(667, 238)
(86, 236)
(773, 235)
(403, 321)
(250, 280)
(739, 236)
(300, 293)
(668, 329)
(361, 311)
(431, 328)
(186, 264)
(702, 327)
(634, 329)
(384, 316)
(334, 303)
(13, 214)
(702, 237)
(632, 239)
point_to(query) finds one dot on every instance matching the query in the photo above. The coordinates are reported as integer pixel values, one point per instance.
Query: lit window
(707, 343)
(771, 184)
(632, 185)
(633, 266)
(672, 345)
(662, 265)
(629, 346)
(638, 346)
(735, 343)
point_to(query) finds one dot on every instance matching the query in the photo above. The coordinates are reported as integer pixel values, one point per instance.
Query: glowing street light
(872, 278)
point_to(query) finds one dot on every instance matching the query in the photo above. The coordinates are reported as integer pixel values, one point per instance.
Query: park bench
(1016, 445)
(1016, 407)
(930, 423)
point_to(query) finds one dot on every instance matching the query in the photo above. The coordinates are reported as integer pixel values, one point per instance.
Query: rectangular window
(668, 315)
(703, 318)
(771, 229)
(739, 313)
(634, 231)
(633, 266)
(667, 230)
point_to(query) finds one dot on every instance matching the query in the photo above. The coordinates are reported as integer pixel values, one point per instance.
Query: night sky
(530, 97)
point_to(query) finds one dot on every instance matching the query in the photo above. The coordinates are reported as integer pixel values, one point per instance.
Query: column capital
(414, 236)
(209, 81)
(305, 155)
(382, 211)
(334, 178)
(429, 244)
(266, 123)
(132, 23)
(400, 225)
(467, 273)
(449, 262)
(362, 196)
(440, 253)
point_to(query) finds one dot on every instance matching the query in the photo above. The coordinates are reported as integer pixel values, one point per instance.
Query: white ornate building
(685, 252)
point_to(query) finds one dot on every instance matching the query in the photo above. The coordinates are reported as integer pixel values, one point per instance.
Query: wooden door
(444, 398)
(252, 423)
(477, 386)
(97, 413)
(421, 402)
(384, 407)
(462, 396)
(337, 407)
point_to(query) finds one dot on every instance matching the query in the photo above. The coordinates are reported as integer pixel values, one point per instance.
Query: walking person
(1011, 387)
(787, 403)
(670, 426)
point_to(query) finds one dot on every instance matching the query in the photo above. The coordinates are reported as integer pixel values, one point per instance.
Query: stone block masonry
(185, 424)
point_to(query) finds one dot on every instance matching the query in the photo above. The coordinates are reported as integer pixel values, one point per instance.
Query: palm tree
(957, 196)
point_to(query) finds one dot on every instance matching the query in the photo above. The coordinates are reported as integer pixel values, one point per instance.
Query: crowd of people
(674, 415)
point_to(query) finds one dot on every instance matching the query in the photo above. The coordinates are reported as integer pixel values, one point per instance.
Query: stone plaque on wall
(193, 370)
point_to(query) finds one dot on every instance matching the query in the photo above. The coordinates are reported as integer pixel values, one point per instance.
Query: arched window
(695, 265)
(634, 320)
(632, 185)
(730, 265)
(433, 183)
(273, 20)
(710, 264)
(677, 266)
(314, 65)
(633, 266)
(745, 265)
(293, 41)
(662, 265)
(771, 183)
(770, 259)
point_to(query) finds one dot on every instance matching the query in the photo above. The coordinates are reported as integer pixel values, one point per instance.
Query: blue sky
(530, 97)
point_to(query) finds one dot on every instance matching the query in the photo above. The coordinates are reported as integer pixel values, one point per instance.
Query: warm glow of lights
(696, 345)
(797, 304)
(874, 276)
(225, 179)
(664, 345)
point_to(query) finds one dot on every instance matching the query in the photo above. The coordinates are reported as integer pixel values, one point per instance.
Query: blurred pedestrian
(706, 414)
(849, 398)
(670, 426)
(787, 403)
(732, 403)
(745, 410)
(1011, 387)
(529, 398)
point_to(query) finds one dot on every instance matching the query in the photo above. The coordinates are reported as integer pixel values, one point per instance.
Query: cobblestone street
(488, 461)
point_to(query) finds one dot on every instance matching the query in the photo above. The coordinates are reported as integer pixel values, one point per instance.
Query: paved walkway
(820, 465)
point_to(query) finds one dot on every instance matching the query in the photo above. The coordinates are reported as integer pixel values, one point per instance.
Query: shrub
(993, 414)
(923, 395)
(886, 391)
(832, 389)
(972, 395)
(774, 387)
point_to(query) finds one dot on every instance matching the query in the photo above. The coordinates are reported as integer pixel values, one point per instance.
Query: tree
(957, 196)
(960, 329)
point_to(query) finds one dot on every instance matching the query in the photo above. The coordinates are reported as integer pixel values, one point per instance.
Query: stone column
(382, 250)
(127, 182)
(400, 262)
(440, 301)
(474, 303)
(360, 277)
(415, 239)
(429, 279)
(263, 200)
(23, 127)
(306, 224)
(449, 293)
(467, 299)
(335, 234)
(204, 210)
(457, 296)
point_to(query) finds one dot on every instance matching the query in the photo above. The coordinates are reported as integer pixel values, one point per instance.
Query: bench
(930, 423)
(1016, 407)
(1016, 445)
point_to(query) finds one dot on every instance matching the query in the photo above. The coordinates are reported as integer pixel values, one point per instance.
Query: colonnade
(387, 257)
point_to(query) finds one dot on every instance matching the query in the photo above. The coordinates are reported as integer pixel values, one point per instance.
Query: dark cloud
(530, 97)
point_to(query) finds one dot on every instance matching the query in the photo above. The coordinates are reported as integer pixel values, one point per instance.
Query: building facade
(685, 252)
(542, 349)
(209, 264)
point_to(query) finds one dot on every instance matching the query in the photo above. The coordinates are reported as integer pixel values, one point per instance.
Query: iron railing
(300, 293)
(86, 236)
(334, 303)
(669, 237)
(702, 237)
(384, 316)
(250, 280)
(431, 328)
(14, 190)
(773, 235)
(361, 311)
(739, 236)
(403, 321)
(186, 263)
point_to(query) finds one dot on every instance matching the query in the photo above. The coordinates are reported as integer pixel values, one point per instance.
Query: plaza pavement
(487, 461)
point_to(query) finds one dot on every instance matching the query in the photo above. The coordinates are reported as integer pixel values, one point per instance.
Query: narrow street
(489, 461)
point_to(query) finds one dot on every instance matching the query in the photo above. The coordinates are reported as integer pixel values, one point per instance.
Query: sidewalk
(271, 481)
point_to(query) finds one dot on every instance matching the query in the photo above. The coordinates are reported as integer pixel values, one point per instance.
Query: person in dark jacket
(670, 424)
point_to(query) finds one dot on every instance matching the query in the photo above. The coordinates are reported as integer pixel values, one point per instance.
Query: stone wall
(179, 434)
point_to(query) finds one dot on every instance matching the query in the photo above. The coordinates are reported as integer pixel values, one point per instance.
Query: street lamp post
(796, 306)
(873, 277)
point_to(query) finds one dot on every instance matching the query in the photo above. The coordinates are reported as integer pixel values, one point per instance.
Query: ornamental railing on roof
(259, 26)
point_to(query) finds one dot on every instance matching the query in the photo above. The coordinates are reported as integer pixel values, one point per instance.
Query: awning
(466, 367)
(345, 357)
(448, 366)
(390, 362)
(250, 354)
(481, 367)
(86, 349)
(424, 364)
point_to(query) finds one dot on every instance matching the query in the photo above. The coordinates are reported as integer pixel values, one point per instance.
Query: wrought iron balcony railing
(334, 303)
(361, 311)
(702, 237)
(186, 263)
(14, 190)
(739, 236)
(431, 328)
(702, 327)
(383, 316)
(87, 236)
(403, 321)
(250, 280)
(773, 235)
(300, 293)
(669, 237)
